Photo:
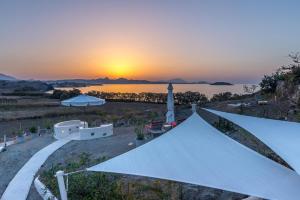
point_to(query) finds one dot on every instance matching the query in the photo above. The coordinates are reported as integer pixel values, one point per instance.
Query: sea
(208, 90)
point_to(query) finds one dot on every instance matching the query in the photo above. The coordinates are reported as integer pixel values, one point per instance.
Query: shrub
(65, 94)
(269, 83)
(224, 125)
(179, 98)
(139, 133)
(290, 74)
(223, 96)
(84, 185)
(33, 129)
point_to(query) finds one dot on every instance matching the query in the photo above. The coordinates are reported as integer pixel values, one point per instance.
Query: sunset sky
(229, 40)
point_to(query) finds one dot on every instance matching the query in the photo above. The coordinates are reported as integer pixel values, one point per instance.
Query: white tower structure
(170, 117)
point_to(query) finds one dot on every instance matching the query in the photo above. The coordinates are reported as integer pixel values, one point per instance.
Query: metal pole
(61, 185)
(194, 107)
(4, 139)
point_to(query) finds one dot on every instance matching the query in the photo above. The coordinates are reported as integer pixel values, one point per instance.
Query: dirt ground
(17, 155)
(43, 113)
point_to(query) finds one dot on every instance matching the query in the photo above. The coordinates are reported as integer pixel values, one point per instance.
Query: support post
(61, 185)
(4, 141)
(194, 107)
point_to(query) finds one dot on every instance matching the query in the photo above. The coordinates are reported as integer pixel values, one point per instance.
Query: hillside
(4, 77)
(16, 87)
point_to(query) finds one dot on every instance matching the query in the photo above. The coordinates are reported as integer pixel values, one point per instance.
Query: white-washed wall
(96, 132)
(67, 128)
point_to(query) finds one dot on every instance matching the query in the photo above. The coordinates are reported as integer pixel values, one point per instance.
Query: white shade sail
(281, 136)
(83, 100)
(197, 153)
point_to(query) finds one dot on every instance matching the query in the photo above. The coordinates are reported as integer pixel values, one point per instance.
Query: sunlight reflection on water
(206, 89)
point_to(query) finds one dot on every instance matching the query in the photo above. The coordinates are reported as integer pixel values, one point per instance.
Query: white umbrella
(83, 100)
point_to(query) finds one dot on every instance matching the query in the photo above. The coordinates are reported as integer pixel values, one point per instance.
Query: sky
(224, 40)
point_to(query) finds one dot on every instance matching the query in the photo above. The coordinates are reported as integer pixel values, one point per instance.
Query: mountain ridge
(121, 80)
(5, 77)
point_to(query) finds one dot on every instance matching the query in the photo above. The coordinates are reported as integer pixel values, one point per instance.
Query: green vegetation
(224, 125)
(269, 83)
(48, 125)
(190, 97)
(289, 74)
(65, 94)
(24, 88)
(139, 132)
(33, 129)
(179, 98)
(84, 185)
(225, 96)
(100, 186)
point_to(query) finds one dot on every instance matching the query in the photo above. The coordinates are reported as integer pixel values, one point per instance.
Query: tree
(64, 94)
(224, 96)
(269, 83)
(250, 89)
(290, 74)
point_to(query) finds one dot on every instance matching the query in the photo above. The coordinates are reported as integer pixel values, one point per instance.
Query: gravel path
(17, 155)
(108, 147)
(19, 186)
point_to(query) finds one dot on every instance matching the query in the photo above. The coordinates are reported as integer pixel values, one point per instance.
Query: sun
(117, 64)
(119, 70)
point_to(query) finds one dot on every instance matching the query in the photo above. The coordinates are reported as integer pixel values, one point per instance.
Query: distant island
(106, 80)
(221, 83)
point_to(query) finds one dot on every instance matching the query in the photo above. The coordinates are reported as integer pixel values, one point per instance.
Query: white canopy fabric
(197, 153)
(83, 100)
(281, 136)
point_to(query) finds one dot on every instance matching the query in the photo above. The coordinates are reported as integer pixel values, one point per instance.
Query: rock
(285, 90)
(291, 112)
(296, 94)
(280, 89)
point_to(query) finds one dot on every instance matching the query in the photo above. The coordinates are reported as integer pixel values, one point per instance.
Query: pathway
(19, 186)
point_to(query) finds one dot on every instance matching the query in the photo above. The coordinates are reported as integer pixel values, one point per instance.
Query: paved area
(17, 155)
(19, 186)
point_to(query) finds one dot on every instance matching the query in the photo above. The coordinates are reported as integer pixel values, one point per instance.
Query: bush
(179, 98)
(65, 94)
(224, 125)
(223, 96)
(269, 83)
(290, 74)
(84, 185)
(139, 133)
(33, 129)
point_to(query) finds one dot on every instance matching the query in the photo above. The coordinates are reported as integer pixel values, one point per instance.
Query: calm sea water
(208, 90)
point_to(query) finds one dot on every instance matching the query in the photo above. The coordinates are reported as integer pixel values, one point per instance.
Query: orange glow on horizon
(116, 62)
(118, 67)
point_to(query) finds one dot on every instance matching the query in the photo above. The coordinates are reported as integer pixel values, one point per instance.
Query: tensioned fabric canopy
(197, 153)
(83, 100)
(281, 136)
